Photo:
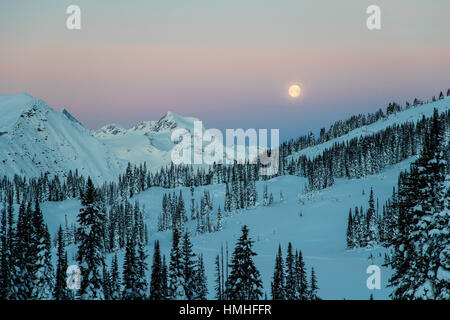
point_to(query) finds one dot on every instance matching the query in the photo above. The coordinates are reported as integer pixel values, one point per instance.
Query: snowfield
(320, 232)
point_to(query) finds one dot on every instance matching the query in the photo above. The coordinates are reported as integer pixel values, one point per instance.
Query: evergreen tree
(60, 291)
(314, 288)
(201, 288)
(278, 283)
(350, 243)
(91, 246)
(188, 262)
(176, 289)
(142, 284)
(106, 283)
(244, 282)
(115, 290)
(218, 287)
(291, 276)
(156, 282)
(131, 272)
(302, 282)
(42, 277)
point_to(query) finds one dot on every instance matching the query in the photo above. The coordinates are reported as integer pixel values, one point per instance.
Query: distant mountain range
(35, 139)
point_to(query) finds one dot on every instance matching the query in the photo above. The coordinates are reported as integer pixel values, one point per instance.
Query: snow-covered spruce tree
(278, 282)
(218, 286)
(227, 205)
(314, 287)
(24, 260)
(42, 276)
(115, 290)
(244, 281)
(90, 255)
(156, 281)
(192, 207)
(399, 243)
(5, 258)
(291, 276)
(219, 220)
(201, 287)
(189, 267)
(106, 282)
(349, 238)
(176, 270)
(301, 275)
(130, 273)
(142, 284)
(60, 291)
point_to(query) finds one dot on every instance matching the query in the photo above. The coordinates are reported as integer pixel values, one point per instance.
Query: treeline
(342, 127)
(415, 222)
(365, 155)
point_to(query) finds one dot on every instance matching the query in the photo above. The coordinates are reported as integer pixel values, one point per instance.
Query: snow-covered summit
(147, 141)
(36, 139)
(168, 122)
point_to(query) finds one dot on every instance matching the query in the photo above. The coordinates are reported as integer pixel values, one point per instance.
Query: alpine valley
(371, 190)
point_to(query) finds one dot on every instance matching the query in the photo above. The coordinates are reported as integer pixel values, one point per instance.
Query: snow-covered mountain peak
(36, 138)
(14, 106)
(112, 129)
(172, 120)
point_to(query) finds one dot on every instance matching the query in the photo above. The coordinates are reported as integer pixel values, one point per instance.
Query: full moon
(294, 91)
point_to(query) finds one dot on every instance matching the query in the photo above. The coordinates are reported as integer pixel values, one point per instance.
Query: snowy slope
(411, 115)
(35, 139)
(320, 233)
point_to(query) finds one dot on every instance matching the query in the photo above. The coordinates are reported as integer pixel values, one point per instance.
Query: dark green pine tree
(291, 277)
(176, 270)
(244, 281)
(23, 253)
(302, 282)
(4, 257)
(156, 281)
(349, 238)
(60, 291)
(218, 287)
(201, 287)
(130, 272)
(106, 283)
(91, 245)
(399, 241)
(115, 291)
(42, 276)
(314, 287)
(188, 262)
(142, 284)
(278, 283)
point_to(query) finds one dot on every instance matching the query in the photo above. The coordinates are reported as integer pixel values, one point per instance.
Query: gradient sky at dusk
(228, 63)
